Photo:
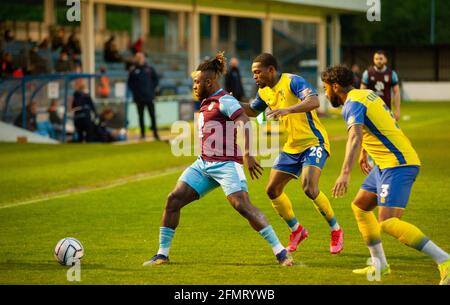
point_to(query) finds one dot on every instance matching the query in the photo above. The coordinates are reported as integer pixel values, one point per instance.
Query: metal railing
(23, 91)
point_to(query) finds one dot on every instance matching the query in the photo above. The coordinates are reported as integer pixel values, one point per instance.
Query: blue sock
(293, 224)
(269, 235)
(165, 239)
(334, 224)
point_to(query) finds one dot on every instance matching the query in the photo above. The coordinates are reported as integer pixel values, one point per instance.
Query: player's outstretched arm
(253, 166)
(308, 104)
(352, 150)
(249, 110)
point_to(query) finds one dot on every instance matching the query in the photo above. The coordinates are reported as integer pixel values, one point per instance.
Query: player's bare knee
(384, 215)
(273, 191)
(239, 203)
(364, 204)
(240, 207)
(174, 201)
(311, 189)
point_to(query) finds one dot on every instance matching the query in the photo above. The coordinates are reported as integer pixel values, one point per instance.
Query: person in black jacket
(83, 107)
(233, 83)
(142, 82)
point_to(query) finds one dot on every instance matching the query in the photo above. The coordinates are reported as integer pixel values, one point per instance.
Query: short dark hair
(266, 60)
(381, 52)
(338, 75)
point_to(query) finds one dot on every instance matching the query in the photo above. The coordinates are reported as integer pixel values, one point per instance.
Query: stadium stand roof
(295, 7)
(311, 11)
(345, 5)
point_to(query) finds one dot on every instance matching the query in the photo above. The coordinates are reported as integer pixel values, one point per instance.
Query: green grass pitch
(111, 197)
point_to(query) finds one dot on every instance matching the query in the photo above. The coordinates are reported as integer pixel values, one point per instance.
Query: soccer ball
(68, 250)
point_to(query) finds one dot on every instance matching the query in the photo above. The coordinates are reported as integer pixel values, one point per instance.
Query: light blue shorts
(204, 176)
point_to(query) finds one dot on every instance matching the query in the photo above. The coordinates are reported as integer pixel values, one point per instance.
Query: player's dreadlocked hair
(217, 65)
(338, 74)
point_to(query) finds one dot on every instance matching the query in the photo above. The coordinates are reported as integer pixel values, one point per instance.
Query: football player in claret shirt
(220, 163)
(383, 81)
(388, 184)
(293, 100)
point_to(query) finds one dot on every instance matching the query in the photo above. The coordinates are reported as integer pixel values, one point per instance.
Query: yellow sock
(283, 206)
(323, 206)
(368, 225)
(405, 232)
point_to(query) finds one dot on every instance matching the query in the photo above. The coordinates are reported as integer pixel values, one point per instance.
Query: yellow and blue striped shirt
(304, 129)
(383, 139)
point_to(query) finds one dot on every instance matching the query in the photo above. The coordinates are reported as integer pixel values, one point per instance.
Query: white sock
(377, 253)
(277, 248)
(335, 227)
(295, 227)
(164, 251)
(436, 253)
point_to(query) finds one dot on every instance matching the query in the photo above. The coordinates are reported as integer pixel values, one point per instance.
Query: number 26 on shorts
(316, 151)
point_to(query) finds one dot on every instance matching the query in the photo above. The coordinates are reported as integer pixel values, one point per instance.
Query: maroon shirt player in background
(381, 79)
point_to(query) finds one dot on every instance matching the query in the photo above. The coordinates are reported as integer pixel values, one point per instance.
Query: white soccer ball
(68, 250)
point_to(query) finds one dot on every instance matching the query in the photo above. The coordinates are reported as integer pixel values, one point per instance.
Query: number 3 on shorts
(316, 151)
(384, 190)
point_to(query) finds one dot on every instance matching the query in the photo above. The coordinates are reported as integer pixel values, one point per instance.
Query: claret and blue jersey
(219, 164)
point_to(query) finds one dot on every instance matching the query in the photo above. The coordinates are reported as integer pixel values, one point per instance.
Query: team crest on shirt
(351, 120)
(386, 78)
(210, 107)
(372, 78)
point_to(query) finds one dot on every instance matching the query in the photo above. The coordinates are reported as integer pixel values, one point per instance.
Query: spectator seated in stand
(138, 45)
(38, 64)
(111, 52)
(64, 64)
(73, 45)
(43, 128)
(58, 41)
(6, 65)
